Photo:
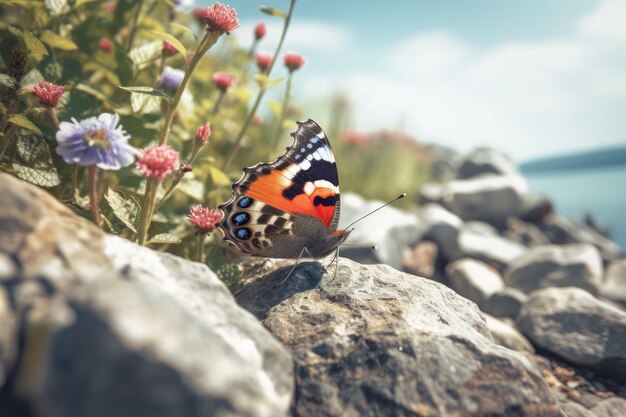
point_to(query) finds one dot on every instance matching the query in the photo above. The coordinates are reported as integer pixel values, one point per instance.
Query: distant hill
(599, 158)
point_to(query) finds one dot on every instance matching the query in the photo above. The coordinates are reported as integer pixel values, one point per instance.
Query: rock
(494, 250)
(525, 233)
(372, 341)
(488, 197)
(486, 161)
(8, 336)
(473, 279)
(613, 285)
(391, 230)
(114, 329)
(559, 229)
(445, 161)
(481, 228)
(573, 409)
(612, 407)
(431, 193)
(575, 325)
(7, 268)
(575, 265)
(443, 228)
(507, 335)
(536, 207)
(421, 259)
(505, 303)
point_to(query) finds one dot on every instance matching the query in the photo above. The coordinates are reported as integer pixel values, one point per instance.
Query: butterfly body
(288, 208)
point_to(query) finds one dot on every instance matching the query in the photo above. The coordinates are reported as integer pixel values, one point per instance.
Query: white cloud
(302, 36)
(606, 21)
(526, 98)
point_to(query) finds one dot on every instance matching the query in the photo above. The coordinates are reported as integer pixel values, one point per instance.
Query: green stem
(281, 118)
(147, 209)
(93, 193)
(207, 42)
(218, 103)
(200, 253)
(133, 28)
(260, 94)
(170, 190)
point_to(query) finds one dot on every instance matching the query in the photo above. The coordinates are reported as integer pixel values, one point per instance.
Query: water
(599, 191)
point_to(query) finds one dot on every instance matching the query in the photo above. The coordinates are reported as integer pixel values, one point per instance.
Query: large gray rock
(492, 249)
(8, 336)
(507, 335)
(613, 285)
(505, 303)
(442, 227)
(371, 341)
(560, 229)
(488, 197)
(390, 229)
(114, 329)
(575, 265)
(473, 279)
(575, 325)
(486, 161)
(611, 407)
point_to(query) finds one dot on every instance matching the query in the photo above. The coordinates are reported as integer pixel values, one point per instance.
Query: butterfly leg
(336, 260)
(304, 249)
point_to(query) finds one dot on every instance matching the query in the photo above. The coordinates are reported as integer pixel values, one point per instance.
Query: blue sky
(529, 77)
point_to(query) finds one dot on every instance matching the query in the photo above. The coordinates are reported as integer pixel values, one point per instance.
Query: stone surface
(442, 227)
(612, 407)
(573, 409)
(7, 268)
(504, 303)
(494, 250)
(507, 335)
(559, 229)
(473, 279)
(613, 285)
(486, 161)
(390, 229)
(114, 329)
(488, 197)
(371, 341)
(421, 259)
(575, 325)
(528, 234)
(536, 207)
(8, 336)
(574, 265)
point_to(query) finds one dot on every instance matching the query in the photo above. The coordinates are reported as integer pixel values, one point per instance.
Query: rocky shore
(484, 302)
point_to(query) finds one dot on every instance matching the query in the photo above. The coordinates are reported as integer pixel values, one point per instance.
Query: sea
(600, 191)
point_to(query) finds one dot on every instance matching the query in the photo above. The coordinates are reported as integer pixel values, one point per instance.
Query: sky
(531, 78)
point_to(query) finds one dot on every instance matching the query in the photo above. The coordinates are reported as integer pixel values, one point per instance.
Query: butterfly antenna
(374, 211)
(352, 245)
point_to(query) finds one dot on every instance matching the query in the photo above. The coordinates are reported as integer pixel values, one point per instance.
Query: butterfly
(288, 208)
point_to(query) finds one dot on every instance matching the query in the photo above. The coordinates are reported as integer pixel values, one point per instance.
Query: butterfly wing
(280, 207)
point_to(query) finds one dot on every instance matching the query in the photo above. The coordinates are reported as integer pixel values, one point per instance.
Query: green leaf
(271, 11)
(33, 149)
(145, 90)
(34, 45)
(146, 53)
(43, 177)
(171, 39)
(229, 274)
(22, 121)
(144, 103)
(55, 7)
(58, 42)
(218, 177)
(92, 92)
(192, 187)
(126, 210)
(184, 29)
(164, 238)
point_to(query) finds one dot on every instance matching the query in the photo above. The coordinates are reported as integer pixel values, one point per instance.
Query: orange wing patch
(269, 190)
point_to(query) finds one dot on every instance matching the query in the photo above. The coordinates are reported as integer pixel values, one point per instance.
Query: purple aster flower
(171, 78)
(95, 141)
